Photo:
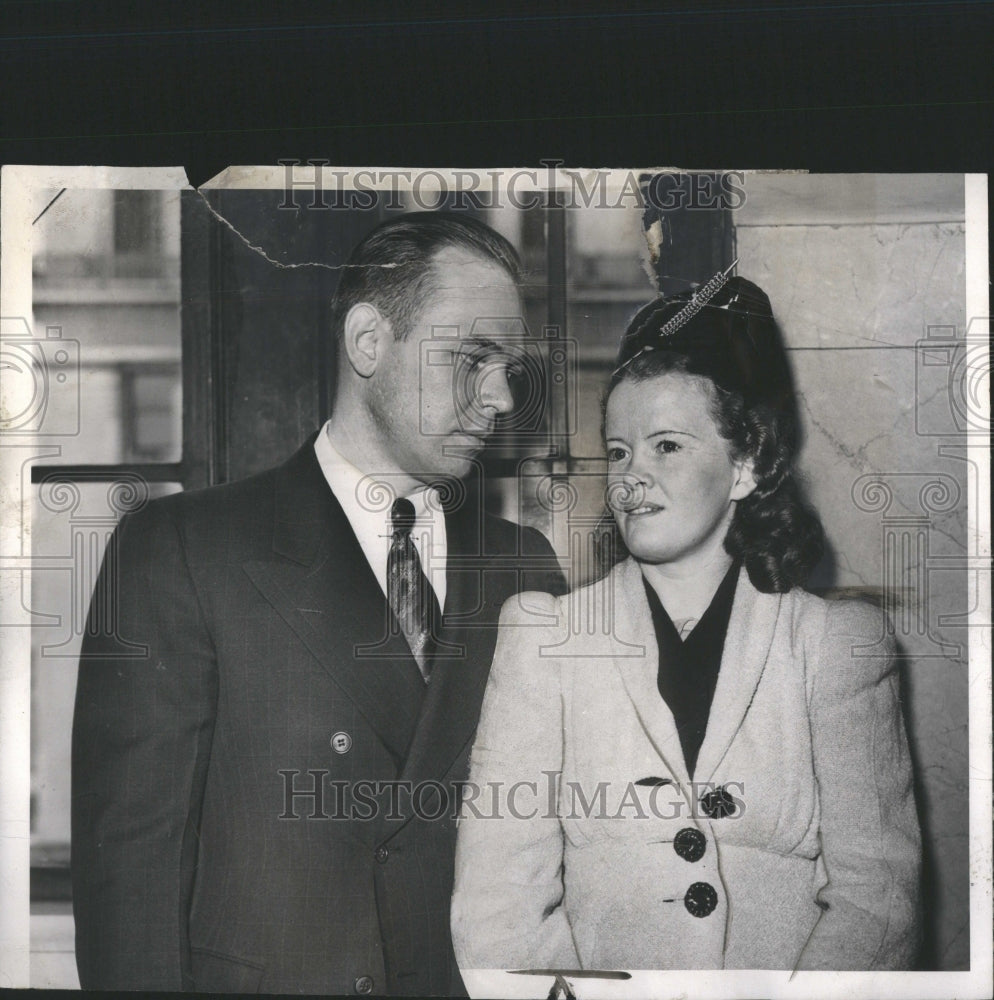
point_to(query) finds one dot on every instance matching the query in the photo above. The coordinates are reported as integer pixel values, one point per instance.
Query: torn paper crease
(255, 248)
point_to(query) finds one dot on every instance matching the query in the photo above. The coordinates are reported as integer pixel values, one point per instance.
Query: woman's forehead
(673, 395)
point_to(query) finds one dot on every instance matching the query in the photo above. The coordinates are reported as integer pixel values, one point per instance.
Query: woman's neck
(686, 592)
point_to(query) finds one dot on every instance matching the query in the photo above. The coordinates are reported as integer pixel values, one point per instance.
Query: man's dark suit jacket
(189, 871)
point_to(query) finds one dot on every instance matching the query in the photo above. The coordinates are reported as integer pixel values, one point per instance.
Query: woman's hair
(733, 346)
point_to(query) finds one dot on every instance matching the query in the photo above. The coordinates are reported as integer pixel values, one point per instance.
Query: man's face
(437, 394)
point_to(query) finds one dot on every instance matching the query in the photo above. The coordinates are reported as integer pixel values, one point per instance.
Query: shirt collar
(366, 500)
(366, 496)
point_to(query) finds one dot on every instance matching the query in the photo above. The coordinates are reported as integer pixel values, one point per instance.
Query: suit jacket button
(690, 844)
(700, 899)
(341, 743)
(381, 854)
(718, 803)
(364, 984)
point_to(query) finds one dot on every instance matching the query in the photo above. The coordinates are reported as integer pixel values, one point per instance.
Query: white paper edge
(17, 185)
(16, 203)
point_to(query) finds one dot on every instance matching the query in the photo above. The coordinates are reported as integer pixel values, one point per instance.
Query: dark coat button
(364, 984)
(718, 803)
(690, 844)
(700, 899)
(381, 854)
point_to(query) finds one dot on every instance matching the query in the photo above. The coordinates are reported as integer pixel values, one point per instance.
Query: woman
(696, 764)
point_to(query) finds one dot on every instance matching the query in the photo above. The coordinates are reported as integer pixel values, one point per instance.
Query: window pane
(103, 345)
(606, 285)
(606, 279)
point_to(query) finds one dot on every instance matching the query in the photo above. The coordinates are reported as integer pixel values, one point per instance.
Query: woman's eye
(667, 447)
(616, 454)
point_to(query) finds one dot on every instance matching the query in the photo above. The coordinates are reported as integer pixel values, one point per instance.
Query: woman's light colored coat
(817, 869)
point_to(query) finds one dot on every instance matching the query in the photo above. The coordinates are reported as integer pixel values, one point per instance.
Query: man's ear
(367, 332)
(745, 481)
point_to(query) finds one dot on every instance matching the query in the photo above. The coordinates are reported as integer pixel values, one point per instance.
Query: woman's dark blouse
(688, 668)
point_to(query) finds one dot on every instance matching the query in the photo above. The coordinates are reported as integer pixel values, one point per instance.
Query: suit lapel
(633, 626)
(451, 706)
(320, 583)
(747, 646)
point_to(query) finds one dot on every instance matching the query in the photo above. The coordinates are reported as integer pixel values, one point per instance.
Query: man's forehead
(461, 275)
(472, 299)
(461, 260)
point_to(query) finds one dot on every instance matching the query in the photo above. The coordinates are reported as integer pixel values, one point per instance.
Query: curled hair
(777, 537)
(393, 267)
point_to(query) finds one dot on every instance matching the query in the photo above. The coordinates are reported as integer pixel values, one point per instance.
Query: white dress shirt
(367, 499)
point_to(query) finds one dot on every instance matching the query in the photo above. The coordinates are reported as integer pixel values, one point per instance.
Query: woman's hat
(724, 330)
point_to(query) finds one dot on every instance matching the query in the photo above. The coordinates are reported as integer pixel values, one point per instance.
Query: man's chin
(468, 443)
(458, 461)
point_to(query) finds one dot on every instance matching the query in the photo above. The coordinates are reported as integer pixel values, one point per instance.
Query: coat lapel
(451, 707)
(747, 646)
(633, 625)
(320, 583)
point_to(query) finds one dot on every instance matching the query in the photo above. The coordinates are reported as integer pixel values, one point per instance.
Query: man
(262, 795)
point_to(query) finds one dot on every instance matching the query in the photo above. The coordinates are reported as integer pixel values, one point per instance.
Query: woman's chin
(645, 550)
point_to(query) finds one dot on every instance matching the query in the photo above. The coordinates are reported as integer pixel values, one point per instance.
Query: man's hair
(393, 267)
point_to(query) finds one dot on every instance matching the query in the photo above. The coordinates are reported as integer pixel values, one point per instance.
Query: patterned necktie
(412, 598)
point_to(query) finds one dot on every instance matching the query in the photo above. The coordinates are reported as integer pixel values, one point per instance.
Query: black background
(831, 86)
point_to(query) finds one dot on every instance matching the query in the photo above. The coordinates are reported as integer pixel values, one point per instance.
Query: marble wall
(867, 282)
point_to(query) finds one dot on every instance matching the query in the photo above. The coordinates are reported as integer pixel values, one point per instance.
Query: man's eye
(477, 360)
(473, 360)
(515, 368)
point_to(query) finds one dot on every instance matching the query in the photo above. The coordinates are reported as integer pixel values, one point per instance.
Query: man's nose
(494, 391)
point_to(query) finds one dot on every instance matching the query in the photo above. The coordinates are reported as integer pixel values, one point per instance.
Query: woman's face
(672, 481)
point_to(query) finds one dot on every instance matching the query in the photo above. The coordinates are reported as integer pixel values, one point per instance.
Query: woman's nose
(626, 491)
(640, 473)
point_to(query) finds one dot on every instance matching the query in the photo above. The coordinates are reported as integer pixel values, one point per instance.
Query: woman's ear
(745, 479)
(365, 335)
